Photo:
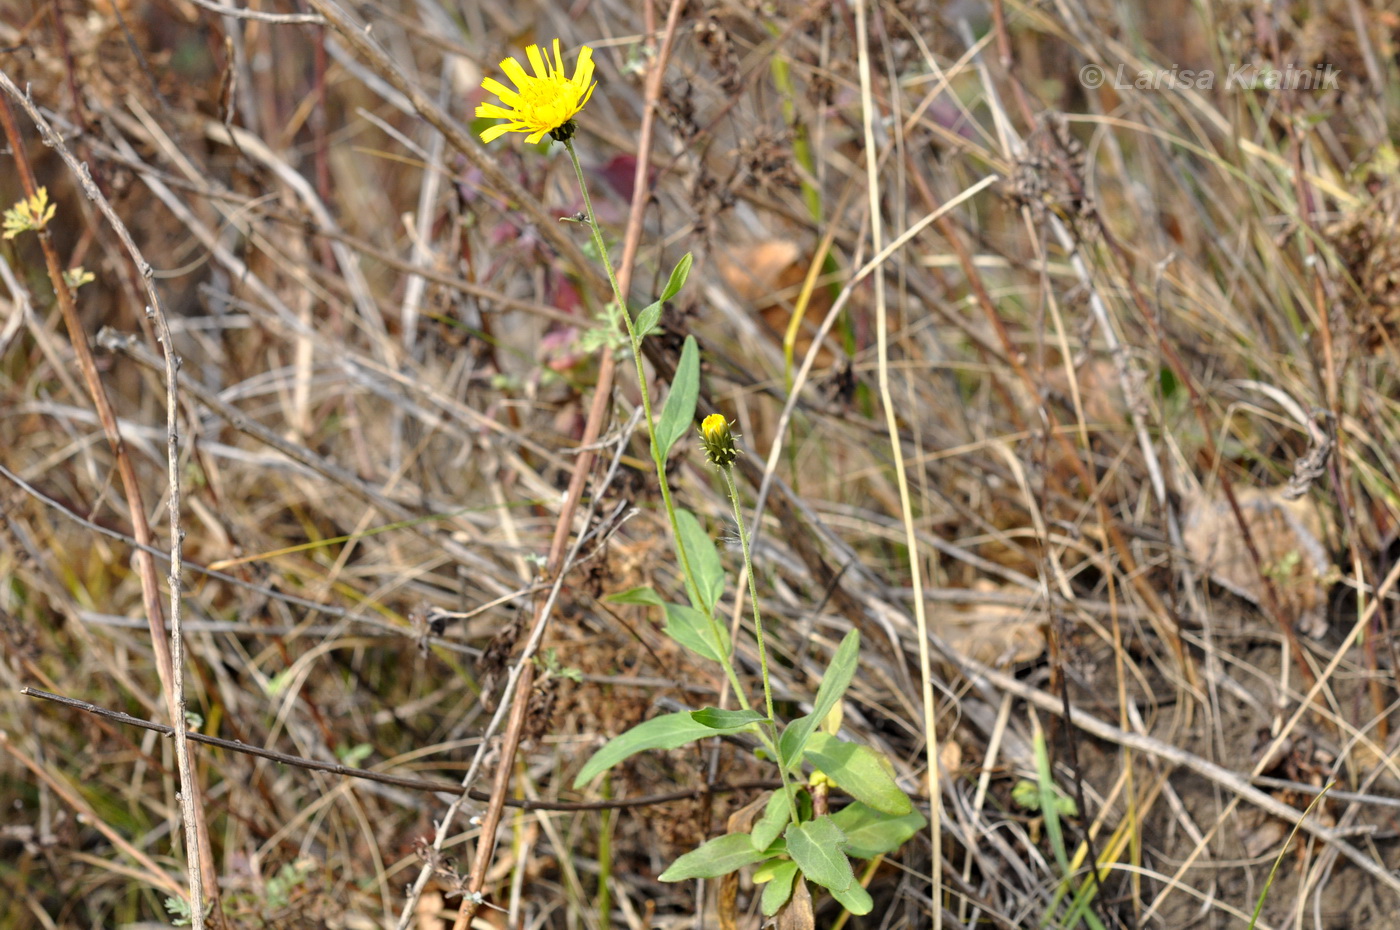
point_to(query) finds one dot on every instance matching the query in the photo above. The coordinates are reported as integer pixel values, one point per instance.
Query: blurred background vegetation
(1145, 391)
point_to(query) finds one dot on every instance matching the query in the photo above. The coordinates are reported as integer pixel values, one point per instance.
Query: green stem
(728, 473)
(692, 586)
(605, 863)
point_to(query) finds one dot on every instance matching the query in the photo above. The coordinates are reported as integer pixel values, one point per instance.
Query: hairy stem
(635, 338)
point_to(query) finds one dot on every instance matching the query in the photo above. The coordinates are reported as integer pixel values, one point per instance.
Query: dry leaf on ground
(993, 634)
(1288, 536)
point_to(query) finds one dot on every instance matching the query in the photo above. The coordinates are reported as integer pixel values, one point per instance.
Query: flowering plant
(797, 837)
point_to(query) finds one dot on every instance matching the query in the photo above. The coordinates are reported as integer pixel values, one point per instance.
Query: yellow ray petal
(517, 74)
(583, 71)
(491, 110)
(536, 62)
(492, 133)
(509, 97)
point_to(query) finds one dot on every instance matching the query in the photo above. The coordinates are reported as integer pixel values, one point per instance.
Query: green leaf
(1026, 794)
(697, 632)
(651, 315)
(764, 871)
(666, 732)
(775, 817)
(1048, 807)
(354, 755)
(719, 856)
(717, 719)
(278, 682)
(794, 740)
(871, 833)
(854, 899)
(779, 886)
(817, 848)
(646, 320)
(859, 771)
(680, 403)
(639, 595)
(834, 684)
(678, 276)
(704, 560)
(180, 909)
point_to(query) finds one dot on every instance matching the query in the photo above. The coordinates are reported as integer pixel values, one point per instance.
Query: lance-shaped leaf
(776, 817)
(719, 856)
(679, 411)
(651, 315)
(718, 719)
(779, 886)
(641, 594)
(704, 560)
(666, 732)
(834, 684)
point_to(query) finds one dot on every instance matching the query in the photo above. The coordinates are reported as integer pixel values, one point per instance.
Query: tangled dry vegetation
(1141, 347)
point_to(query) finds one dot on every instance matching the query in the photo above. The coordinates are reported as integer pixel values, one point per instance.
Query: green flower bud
(718, 441)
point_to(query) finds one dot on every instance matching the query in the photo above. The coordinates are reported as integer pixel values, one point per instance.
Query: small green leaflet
(1026, 794)
(779, 885)
(679, 411)
(775, 817)
(678, 276)
(764, 871)
(834, 684)
(638, 595)
(666, 732)
(717, 719)
(647, 319)
(855, 899)
(651, 315)
(719, 856)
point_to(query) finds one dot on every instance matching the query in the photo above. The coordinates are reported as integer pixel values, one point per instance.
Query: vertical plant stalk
(169, 655)
(597, 413)
(621, 302)
(606, 819)
(728, 472)
(872, 152)
(657, 459)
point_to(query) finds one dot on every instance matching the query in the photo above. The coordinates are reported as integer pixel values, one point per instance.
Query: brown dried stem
(169, 656)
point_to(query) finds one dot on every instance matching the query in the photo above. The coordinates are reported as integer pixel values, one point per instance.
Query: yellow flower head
(717, 440)
(542, 103)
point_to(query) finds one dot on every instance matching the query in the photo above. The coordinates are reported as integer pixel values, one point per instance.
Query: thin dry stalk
(170, 657)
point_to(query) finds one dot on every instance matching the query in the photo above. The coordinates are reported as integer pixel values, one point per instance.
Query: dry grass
(1107, 368)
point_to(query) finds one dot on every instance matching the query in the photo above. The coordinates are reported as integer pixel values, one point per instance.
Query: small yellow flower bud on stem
(718, 441)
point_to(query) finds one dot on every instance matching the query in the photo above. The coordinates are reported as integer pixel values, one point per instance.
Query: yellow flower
(542, 103)
(717, 440)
